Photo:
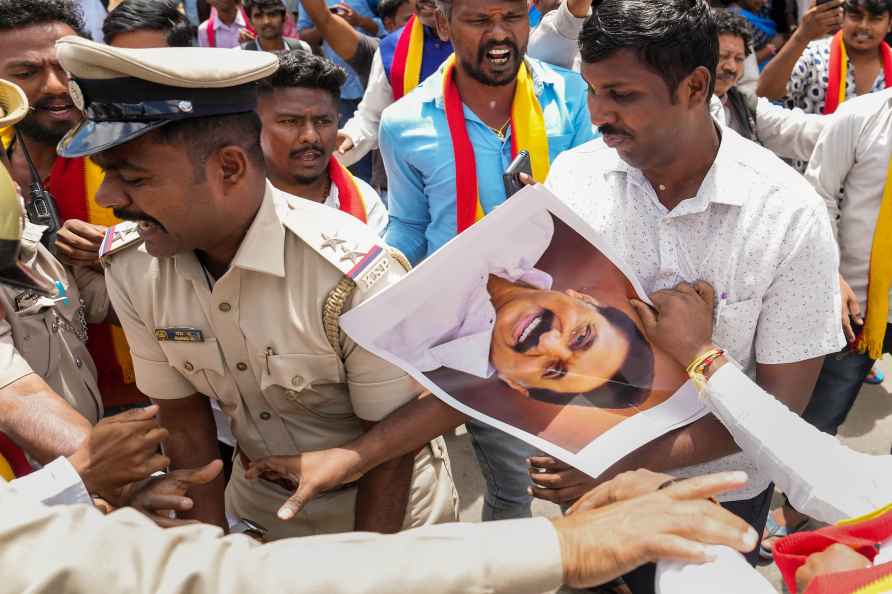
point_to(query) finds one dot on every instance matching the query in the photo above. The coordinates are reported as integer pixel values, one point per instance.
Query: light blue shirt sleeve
(361, 7)
(407, 201)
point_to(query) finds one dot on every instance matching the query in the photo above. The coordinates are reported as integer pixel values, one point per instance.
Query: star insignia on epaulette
(353, 256)
(331, 242)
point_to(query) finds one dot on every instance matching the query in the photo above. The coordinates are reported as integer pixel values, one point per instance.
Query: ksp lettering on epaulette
(119, 237)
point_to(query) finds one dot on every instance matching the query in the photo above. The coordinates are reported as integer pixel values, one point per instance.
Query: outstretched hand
(167, 493)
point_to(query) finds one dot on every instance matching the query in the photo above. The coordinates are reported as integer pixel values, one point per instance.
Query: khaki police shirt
(42, 548)
(46, 338)
(263, 352)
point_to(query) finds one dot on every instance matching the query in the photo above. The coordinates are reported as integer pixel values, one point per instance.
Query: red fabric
(791, 552)
(465, 164)
(400, 58)
(15, 456)
(348, 193)
(848, 582)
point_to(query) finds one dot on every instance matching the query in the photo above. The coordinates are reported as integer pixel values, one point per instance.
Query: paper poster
(524, 322)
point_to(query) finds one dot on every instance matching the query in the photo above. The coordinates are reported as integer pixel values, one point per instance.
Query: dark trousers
(838, 387)
(754, 511)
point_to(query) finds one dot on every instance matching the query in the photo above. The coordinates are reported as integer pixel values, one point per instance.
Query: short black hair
(729, 22)
(271, 5)
(206, 135)
(387, 9)
(874, 7)
(18, 14)
(673, 37)
(150, 15)
(631, 384)
(297, 68)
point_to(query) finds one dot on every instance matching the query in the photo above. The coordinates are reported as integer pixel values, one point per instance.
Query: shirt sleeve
(154, 375)
(125, 552)
(409, 212)
(822, 478)
(807, 279)
(800, 78)
(789, 133)
(555, 40)
(832, 159)
(13, 365)
(362, 60)
(362, 128)
(57, 483)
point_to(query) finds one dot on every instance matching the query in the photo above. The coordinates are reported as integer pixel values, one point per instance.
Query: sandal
(775, 530)
(875, 377)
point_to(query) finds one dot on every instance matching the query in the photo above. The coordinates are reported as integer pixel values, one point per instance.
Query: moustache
(608, 130)
(312, 147)
(136, 217)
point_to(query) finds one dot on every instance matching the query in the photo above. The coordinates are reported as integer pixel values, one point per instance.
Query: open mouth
(530, 329)
(59, 111)
(308, 156)
(499, 56)
(863, 37)
(148, 228)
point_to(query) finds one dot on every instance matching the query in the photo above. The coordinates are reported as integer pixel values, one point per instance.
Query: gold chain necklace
(500, 132)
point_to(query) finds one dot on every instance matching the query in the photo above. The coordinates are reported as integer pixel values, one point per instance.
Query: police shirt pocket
(735, 327)
(194, 360)
(313, 383)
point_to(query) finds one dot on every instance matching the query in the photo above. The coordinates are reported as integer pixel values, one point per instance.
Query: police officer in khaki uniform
(235, 290)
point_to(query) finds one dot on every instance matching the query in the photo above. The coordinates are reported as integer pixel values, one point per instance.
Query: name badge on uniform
(179, 335)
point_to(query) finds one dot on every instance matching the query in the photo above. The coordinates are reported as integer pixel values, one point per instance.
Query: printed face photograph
(524, 323)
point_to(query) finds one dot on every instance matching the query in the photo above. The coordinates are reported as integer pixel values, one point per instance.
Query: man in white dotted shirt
(684, 199)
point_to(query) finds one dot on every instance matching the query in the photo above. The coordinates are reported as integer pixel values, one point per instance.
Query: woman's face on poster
(557, 341)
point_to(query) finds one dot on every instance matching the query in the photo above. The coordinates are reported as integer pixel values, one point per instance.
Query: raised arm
(332, 28)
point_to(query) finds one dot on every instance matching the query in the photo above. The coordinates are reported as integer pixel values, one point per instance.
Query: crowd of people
(195, 191)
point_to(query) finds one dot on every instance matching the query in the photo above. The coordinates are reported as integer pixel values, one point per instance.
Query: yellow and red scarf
(861, 534)
(879, 282)
(74, 183)
(527, 132)
(405, 71)
(839, 71)
(13, 463)
(349, 195)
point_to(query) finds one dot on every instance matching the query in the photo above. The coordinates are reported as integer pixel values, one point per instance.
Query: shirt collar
(719, 183)
(263, 249)
(543, 76)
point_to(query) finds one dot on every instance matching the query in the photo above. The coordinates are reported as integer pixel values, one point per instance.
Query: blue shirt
(353, 88)
(417, 150)
(435, 52)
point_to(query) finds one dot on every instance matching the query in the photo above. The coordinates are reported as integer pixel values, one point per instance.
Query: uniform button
(265, 416)
(241, 367)
(291, 395)
(78, 363)
(225, 307)
(297, 381)
(188, 366)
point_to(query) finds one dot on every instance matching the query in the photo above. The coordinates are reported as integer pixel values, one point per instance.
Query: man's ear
(696, 87)
(233, 165)
(443, 30)
(514, 385)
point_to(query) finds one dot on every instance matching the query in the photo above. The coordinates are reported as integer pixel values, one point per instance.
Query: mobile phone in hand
(511, 177)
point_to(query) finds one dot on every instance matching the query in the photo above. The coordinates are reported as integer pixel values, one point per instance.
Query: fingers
(847, 328)
(155, 437)
(294, 504)
(546, 463)
(156, 501)
(553, 480)
(703, 487)
(671, 547)
(526, 179)
(156, 463)
(596, 498)
(706, 292)
(199, 476)
(559, 496)
(647, 315)
(134, 415)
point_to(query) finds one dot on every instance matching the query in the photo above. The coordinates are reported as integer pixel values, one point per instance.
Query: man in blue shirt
(490, 39)
(359, 14)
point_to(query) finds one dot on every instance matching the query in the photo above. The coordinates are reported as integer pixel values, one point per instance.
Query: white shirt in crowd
(755, 230)
(822, 478)
(853, 154)
(57, 483)
(553, 41)
(453, 327)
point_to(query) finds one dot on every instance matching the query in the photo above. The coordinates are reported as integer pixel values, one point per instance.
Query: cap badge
(185, 106)
(77, 96)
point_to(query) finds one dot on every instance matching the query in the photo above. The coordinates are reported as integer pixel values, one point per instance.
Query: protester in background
(268, 17)
(226, 27)
(766, 38)
(148, 23)
(361, 17)
(299, 109)
(788, 133)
